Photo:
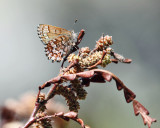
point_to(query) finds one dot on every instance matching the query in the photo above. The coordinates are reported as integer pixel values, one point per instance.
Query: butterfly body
(58, 41)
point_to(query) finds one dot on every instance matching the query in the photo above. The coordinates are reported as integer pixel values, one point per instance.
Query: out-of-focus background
(135, 27)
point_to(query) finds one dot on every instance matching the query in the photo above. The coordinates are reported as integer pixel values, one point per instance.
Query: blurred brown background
(135, 27)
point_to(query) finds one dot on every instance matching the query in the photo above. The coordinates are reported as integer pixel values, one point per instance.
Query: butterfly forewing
(58, 41)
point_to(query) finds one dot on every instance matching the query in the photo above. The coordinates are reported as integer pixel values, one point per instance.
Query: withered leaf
(140, 109)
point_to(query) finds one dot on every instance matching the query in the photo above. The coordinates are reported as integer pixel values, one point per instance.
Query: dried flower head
(104, 42)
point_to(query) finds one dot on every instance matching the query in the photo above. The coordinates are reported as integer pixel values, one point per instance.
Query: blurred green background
(135, 27)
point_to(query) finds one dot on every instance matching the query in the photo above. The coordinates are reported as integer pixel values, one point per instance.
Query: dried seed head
(94, 58)
(104, 42)
(106, 60)
(73, 70)
(70, 97)
(109, 50)
(84, 52)
(73, 57)
(45, 123)
(41, 97)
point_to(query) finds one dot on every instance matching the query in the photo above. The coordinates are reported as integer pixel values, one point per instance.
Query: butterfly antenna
(75, 21)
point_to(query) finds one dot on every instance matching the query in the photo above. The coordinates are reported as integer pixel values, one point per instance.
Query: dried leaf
(127, 61)
(85, 82)
(119, 85)
(80, 121)
(86, 74)
(95, 75)
(71, 115)
(107, 76)
(55, 79)
(129, 95)
(140, 109)
(52, 81)
(69, 76)
(97, 78)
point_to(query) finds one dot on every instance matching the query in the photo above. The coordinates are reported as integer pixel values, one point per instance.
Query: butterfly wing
(49, 32)
(56, 40)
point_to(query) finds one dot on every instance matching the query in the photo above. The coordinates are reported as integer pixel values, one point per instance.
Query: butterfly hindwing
(58, 41)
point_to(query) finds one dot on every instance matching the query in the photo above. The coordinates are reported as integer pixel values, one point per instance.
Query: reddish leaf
(124, 61)
(59, 114)
(137, 106)
(114, 61)
(71, 115)
(47, 84)
(104, 73)
(80, 121)
(107, 76)
(86, 74)
(129, 95)
(52, 81)
(127, 61)
(119, 86)
(140, 109)
(121, 58)
(69, 77)
(74, 116)
(85, 82)
(95, 75)
(55, 79)
(97, 78)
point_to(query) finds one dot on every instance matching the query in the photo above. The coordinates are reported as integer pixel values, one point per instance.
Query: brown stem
(35, 110)
(74, 63)
(51, 92)
(30, 122)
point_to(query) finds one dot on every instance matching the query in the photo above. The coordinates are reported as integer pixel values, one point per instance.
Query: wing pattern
(58, 41)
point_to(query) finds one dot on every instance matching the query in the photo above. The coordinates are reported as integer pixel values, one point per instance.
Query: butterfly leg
(73, 49)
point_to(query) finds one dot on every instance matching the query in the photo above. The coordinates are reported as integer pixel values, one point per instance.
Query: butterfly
(58, 42)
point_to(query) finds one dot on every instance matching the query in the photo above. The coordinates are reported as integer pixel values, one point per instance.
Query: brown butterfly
(58, 41)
